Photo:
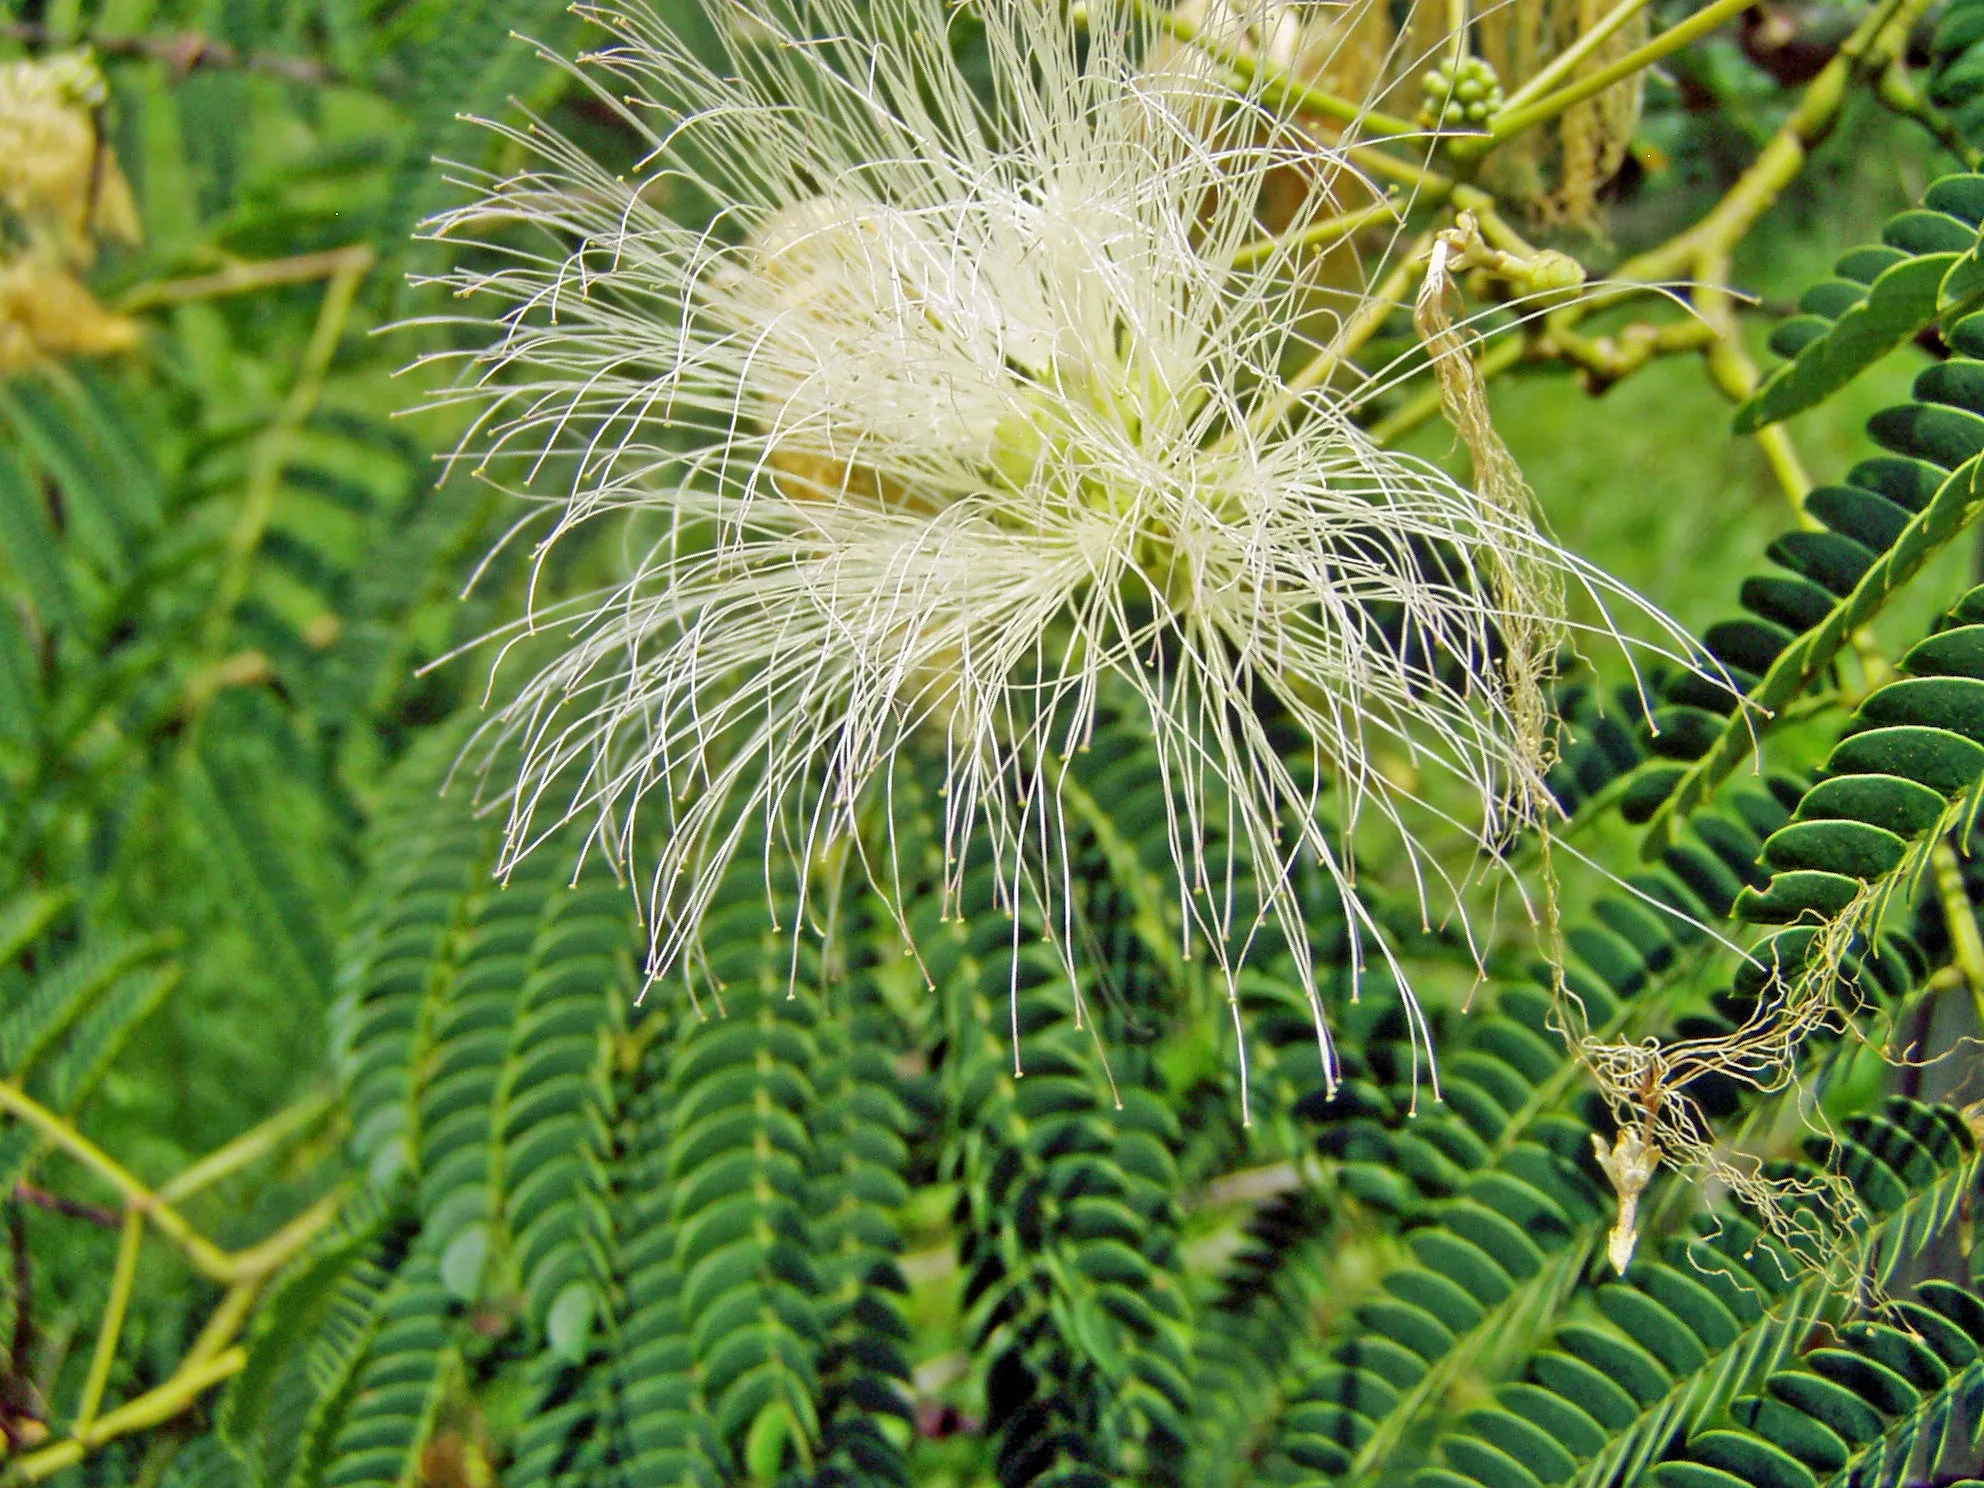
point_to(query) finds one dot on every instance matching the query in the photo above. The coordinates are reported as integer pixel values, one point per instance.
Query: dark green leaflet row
(1925, 267)
(277, 1415)
(657, 1419)
(1254, 1334)
(862, 1124)
(1498, 1218)
(1912, 754)
(1710, 1353)
(752, 1205)
(1605, 1391)
(430, 874)
(1911, 758)
(511, 1110)
(349, 1363)
(739, 1245)
(1601, 738)
(1621, 955)
(1437, 1173)
(396, 1388)
(1881, 524)
(80, 434)
(1258, 1340)
(358, 535)
(1074, 1288)
(1496, 1189)
(732, 1208)
(636, 1413)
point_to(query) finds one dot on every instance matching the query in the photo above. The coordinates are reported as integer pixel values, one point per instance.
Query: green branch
(272, 452)
(112, 1327)
(1277, 84)
(1512, 121)
(1567, 61)
(153, 1408)
(206, 1257)
(257, 1142)
(1960, 915)
(1317, 234)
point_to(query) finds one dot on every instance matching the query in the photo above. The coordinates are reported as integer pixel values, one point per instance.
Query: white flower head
(964, 407)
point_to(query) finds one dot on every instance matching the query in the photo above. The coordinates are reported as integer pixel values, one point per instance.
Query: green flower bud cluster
(1463, 95)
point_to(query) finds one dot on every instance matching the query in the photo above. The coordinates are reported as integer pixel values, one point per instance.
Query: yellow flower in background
(46, 311)
(61, 193)
(57, 178)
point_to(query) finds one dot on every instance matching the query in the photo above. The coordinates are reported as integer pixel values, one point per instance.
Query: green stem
(158, 1460)
(243, 278)
(1702, 250)
(112, 1327)
(1899, 92)
(206, 1257)
(1966, 943)
(1277, 84)
(1759, 187)
(225, 1322)
(255, 1143)
(1457, 33)
(1494, 230)
(1735, 375)
(153, 1408)
(1317, 234)
(1512, 121)
(1566, 62)
(272, 453)
(1608, 359)
(267, 1256)
(1429, 186)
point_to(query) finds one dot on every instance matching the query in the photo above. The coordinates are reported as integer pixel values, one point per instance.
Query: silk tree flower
(967, 404)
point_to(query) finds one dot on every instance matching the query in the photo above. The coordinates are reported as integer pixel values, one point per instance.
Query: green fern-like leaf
(738, 1160)
(396, 1387)
(1958, 79)
(1909, 770)
(28, 539)
(462, 1106)
(50, 1004)
(1925, 267)
(1883, 524)
(428, 878)
(660, 1422)
(858, 1187)
(310, 1408)
(1666, 1355)
(554, 1129)
(1071, 1251)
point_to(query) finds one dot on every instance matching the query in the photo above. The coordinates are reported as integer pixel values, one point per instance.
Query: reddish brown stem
(69, 1208)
